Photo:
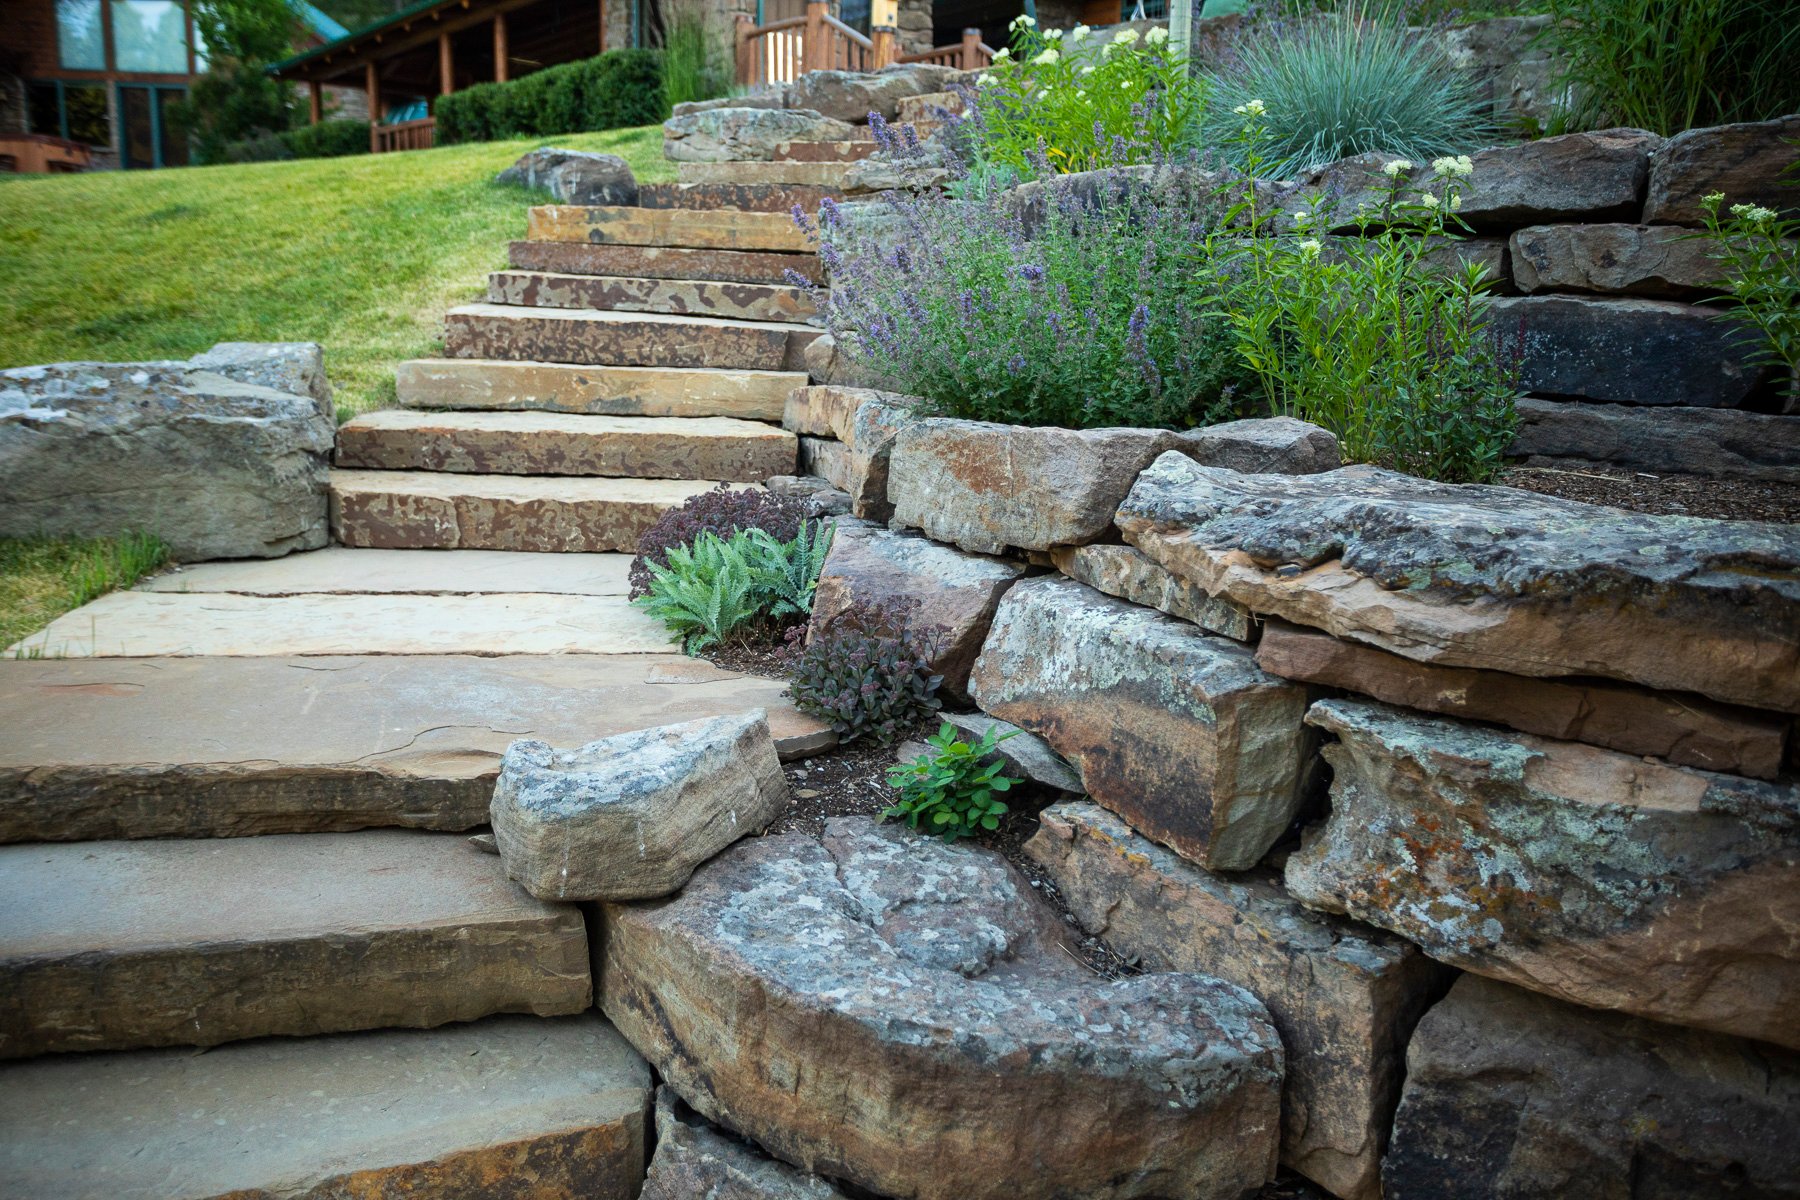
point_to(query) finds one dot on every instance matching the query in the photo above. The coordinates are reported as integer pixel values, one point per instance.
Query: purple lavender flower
(829, 216)
(1031, 273)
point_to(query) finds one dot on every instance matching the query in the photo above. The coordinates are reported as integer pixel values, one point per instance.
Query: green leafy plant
(1759, 258)
(869, 675)
(1338, 84)
(952, 792)
(1670, 65)
(787, 573)
(236, 99)
(706, 593)
(618, 89)
(697, 54)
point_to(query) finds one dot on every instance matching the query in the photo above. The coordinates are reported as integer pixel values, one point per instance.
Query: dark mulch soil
(1664, 495)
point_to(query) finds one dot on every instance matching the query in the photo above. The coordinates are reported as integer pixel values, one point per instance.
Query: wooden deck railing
(970, 54)
(406, 135)
(782, 51)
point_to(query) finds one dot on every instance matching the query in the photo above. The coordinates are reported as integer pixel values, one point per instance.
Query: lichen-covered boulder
(575, 176)
(1600, 878)
(694, 1161)
(215, 467)
(1510, 1094)
(296, 368)
(746, 134)
(1750, 162)
(1637, 260)
(1130, 574)
(853, 95)
(631, 816)
(896, 1012)
(1488, 576)
(1179, 733)
(1344, 996)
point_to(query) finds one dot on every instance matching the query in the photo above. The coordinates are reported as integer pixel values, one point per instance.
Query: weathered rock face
(1744, 161)
(1654, 352)
(695, 1160)
(822, 500)
(1264, 445)
(753, 134)
(1717, 442)
(1682, 728)
(853, 95)
(1179, 733)
(574, 176)
(630, 817)
(881, 173)
(1130, 574)
(661, 262)
(1026, 755)
(296, 368)
(829, 361)
(1597, 877)
(1344, 997)
(1597, 176)
(891, 1011)
(1488, 577)
(1638, 260)
(1510, 1094)
(214, 467)
(938, 585)
(1513, 65)
(865, 423)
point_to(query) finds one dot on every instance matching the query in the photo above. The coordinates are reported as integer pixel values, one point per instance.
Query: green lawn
(42, 578)
(362, 255)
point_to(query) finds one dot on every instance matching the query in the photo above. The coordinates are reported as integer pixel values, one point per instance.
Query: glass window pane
(174, 142)
(80, 44)
(44, 113)
(134, 116)
(86, 105)
(150, 35)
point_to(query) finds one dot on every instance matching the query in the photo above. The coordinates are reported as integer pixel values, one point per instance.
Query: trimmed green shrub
(328, 139)
(616, 90)
(950, 792)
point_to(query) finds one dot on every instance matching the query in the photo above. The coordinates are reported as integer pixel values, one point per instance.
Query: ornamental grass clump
(1072, 302)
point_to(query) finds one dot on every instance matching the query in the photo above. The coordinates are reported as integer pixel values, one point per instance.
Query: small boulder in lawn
(575, 176)
(1025, 754)
(630, 817)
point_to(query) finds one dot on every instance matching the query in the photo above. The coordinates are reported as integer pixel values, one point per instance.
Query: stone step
(763, 174)
(739, 301)
(468, 1110)
(498, 385)
(226, 747)
(662, 262)
(601, 338)
(426, 510)
(749, 197)
(342, 570)
(823, 152)
(721, 229)
(544, 443)
(121, 945)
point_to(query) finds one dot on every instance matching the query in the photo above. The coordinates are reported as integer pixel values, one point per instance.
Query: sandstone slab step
(661, 262)
(435, 511)
(175, 625)
(120, 945)
(721, 229)
(203, 747)
(498, 385)
(348, 571)
(508, 1108)
(540, 443)
(817, 174)
(601, 338)
(745, 195)
(822, 152)
(739, 301)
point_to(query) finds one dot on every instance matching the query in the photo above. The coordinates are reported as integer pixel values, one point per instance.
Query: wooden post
(882, 48)
(971, 50)
(316, 100)
(746, 61)
(1181, 27)
(372, 85)
(815, 47)
(602, 4)
(446, 66)
(500, 50)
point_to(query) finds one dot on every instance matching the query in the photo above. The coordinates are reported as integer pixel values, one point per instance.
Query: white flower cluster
(1394, 169)
(1080, 33)
(1251, 108)
(1453, 166)
(1003, 54)
(1046, 58)
(1310, 247)
(1156, 36)
(1756, 214)
(1022, 22)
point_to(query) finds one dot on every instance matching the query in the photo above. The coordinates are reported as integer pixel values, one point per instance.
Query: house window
(150, 36)
(80, 44)
(147, 138)
(76, 111)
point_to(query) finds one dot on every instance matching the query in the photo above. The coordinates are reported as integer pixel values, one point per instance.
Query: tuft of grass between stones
(41, 578)
(360, 254)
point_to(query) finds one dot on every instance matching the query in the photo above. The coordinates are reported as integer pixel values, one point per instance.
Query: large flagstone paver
(426, 572)
(194, 747)
(165, 624)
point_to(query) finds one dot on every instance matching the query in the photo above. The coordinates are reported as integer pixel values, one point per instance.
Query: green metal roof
(405, 14)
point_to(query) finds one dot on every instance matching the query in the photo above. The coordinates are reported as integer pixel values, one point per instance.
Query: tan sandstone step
(120, 945)
(426, 510)
(720, 229)
(662, 262)
(763, 174)
(506, 1107)
(544, 443)
(500, 385)
(751, 197)
(595, 336)
(823, 152)
(740, 301)
(225, 747)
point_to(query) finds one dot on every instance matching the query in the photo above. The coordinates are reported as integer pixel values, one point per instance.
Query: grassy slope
(361, 254)
(43, 578)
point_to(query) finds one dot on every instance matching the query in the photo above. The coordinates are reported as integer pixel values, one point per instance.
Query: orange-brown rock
(864, 423)
(1684, 729)
(1130, 574)
(1600, 878)
(602, 338)
(1344, 996)
(720, 229)
(738, 301)
(661, 262)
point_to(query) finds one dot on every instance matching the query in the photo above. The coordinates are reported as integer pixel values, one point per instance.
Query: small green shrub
(719, 588)
(724, 511)
(615, 90)
(1759, 259)
(869, 675)
(950, 793)
(328, 139)
(787, 573)
(262, 147)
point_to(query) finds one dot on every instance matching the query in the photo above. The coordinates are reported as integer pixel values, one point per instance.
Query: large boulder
(1752, 163)
(1601, 878)
(1628, 351)
(853, 95)
(859, 427)
(296, 368)
(1488, 577)
(575, 176)
(1598, 176)
(1130, 574)
(1179, 733)
(1026, 755)
(631, 816)
(214, 467)
(1717, 442)
(1637, 260)
(694, 1161)
(746, 134)
(896, 1012)
(932, 584)
(1344, 997)
(1509, 1094)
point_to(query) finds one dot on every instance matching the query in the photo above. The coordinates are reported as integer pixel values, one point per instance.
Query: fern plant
(707, 591)
(787, 573)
